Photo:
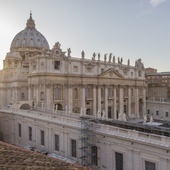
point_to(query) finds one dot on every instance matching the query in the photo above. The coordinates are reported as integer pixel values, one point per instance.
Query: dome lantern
(30, 22)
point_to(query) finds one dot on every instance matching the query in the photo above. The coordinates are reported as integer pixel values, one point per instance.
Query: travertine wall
(136, 147)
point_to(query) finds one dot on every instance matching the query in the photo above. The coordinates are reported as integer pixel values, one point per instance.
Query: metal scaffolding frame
(88, 140)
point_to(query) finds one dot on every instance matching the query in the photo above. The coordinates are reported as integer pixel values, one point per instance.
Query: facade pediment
(111, 73)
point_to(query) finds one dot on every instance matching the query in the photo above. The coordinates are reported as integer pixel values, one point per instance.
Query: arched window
(42, 96)
(57, 95)
(75, 93)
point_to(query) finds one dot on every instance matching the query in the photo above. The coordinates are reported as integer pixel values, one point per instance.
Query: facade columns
(94, 101)
(121, 101)
(70, 99)
(99, 99)
(83, 99)
(48, 96)
(144, 101)
(106, 101)
(137, 101)
(114, 104)
(129, 102)
(29, 93)
(37, 95)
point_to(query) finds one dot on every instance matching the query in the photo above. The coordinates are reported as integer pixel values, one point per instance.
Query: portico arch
(25, 106)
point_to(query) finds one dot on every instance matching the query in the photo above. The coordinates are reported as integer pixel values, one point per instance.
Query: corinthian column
(83, 99)
(137, 101)
(70, 98)
(94, 100)
(106, 101)
(99, 99)
(129, 102)
(114, 104)
(144, 100)
(48, 94)
(121, 101)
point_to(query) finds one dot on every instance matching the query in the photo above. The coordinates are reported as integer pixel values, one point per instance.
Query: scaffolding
(88, 143)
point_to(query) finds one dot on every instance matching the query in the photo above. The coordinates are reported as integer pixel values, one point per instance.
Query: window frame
(117, 167)
(73, 148)
(42, 137)
(19, 130)
(30, 133)
(56, 142)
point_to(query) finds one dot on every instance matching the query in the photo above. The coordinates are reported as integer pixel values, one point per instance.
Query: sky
(130, 29)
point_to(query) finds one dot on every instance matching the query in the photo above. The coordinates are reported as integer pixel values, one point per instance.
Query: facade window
(57, 65)
(94, 159)
(30, 133)
(157, 113)
(56, 142)
(75, 93)
(42, 137)
(167, 114)
(19, 130)
(131, 74)
(34, 67)
(139, 74)
(73, 148)
(57, 95)
(75, 69)
(118, 161)
(22, 95)
(148, 111)
(15, 64)
(102, 70)
(88, 111)
(150, 166)
(42, 95)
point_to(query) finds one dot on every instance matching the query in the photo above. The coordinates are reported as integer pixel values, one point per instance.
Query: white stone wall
(136, 147)
(161, 107)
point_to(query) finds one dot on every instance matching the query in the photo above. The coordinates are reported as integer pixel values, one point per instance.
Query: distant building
(88, 110)
(158, 94)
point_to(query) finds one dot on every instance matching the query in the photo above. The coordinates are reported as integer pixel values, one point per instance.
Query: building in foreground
(78, 108)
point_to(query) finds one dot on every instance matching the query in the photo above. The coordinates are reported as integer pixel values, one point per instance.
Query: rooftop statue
(113, 59)
(82, 54)
(128, 62)
(139, 64)
(94, 55)
(69, 52)
(99, 56)
(110, 57)
(105, 57)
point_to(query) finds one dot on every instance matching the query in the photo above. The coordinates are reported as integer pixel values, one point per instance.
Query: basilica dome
(29, 38)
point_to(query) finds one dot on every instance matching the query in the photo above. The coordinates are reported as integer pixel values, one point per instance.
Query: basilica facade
(37, 77)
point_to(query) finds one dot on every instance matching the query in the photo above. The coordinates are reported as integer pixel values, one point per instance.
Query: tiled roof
(17, 158)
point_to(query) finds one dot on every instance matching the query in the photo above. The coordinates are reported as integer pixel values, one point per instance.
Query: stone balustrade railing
(74, 121)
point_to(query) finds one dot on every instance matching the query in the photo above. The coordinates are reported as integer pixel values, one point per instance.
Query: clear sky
(130, 29)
